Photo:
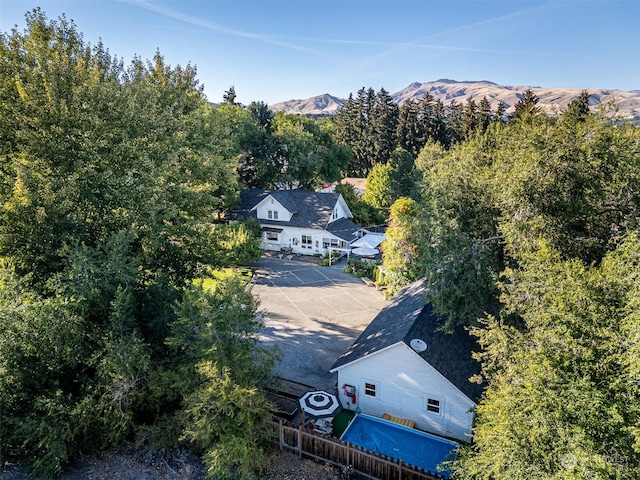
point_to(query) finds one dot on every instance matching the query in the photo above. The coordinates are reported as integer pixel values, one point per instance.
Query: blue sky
(273, 51)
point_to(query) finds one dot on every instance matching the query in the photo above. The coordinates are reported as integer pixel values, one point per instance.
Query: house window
(433, 405)
(272, 236)
(371, 389)
(330, 243)
(272, 214)
(307, 241)
(335, 214)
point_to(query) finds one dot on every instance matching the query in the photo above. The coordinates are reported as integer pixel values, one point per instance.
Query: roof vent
(418, 345)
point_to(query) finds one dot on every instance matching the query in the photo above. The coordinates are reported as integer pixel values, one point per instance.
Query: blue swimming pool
(402, 443)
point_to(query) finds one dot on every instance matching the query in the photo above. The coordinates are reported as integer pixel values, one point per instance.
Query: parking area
(312, 313)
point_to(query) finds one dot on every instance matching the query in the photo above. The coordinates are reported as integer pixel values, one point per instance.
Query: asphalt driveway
(313, 314)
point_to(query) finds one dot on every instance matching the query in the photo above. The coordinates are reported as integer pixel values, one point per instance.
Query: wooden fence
(365, 464)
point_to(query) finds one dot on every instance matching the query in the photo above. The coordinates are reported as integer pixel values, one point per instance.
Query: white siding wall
(404, 382)
(338, 212)
(270, 204)
(292, 237)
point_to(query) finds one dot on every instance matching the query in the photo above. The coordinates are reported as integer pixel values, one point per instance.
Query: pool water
(412, 446)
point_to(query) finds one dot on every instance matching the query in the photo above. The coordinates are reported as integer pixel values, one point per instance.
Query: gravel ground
(143, 464)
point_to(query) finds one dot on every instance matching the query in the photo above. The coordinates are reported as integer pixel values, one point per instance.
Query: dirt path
(143, 464)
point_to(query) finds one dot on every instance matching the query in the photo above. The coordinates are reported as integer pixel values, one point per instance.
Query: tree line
(373, 125)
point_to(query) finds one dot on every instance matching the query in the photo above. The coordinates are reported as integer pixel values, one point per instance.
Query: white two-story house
(300, 221)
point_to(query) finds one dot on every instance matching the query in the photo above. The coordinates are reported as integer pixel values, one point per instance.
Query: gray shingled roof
(286, 199)
(249, 198)
(343, 228)
(409, 316)
(311, 210)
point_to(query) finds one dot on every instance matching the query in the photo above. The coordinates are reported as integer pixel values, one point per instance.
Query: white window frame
(306, 241)
(272, 214)
(433, 404)
(271, 236)
(367, 387)
(330, 243)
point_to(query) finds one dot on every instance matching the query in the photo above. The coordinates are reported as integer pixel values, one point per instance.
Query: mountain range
(550, 99)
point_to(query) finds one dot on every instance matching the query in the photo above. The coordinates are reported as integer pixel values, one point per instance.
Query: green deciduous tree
(305, 152)
(403, 174)
(562, 400)
(110, 179)
(214, 341)
(364, 214)
(404, 239)
(379, 189)
(462, 256)
(572, 185)
(389, 181)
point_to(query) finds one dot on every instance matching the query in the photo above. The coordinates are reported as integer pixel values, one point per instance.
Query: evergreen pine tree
(438, 123)
(384, 122)
(500, 114)
(527, 105)
(430, 119)
(484, 114)
(578, 109)
(454, 123)
(230, 96)
(409, 131)
(470, 119)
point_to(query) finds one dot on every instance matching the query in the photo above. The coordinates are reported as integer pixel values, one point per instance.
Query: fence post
(300, 442)
(399, 469)
(348, 449)
(281, 434)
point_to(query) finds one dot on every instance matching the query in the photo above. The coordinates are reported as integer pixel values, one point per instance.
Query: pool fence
(364, 463)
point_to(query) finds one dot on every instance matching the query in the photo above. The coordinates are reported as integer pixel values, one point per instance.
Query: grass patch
(213, 276)
(341, 422)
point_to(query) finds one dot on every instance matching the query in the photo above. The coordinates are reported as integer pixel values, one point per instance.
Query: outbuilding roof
(408, 316)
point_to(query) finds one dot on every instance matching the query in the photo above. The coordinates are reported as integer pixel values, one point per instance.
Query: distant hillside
(320, 105)
(551, 99)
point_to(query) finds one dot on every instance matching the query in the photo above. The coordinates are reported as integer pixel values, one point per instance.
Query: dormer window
(272, 214)
(335, 214)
